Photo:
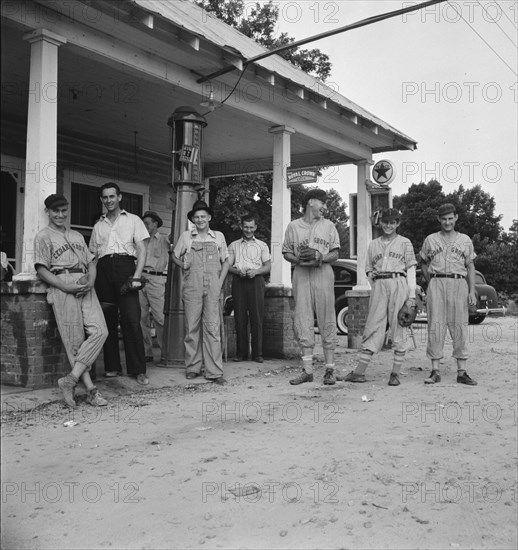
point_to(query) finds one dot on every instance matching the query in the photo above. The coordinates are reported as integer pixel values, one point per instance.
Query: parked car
(345, 279)
(487, 300)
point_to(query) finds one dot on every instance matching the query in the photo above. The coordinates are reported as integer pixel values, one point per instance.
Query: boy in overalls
(202, 255)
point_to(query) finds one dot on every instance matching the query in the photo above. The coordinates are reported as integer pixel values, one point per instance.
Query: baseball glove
(406, 315)
(128, 285)
(308, 254)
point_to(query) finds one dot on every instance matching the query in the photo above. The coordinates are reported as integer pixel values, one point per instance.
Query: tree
(235, 197)
(259, 23)
(419, 208)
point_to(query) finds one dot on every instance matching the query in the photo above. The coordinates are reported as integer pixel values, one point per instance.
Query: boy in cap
(390, 268)
(311, 244)
(202, 255)
(447, 263)
(63, 261)
(155, 271)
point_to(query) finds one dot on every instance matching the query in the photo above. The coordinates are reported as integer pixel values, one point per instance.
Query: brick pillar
(32, 354)
(358, 301)
(278, 336)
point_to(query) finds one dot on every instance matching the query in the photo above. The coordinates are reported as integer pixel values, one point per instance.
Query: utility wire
(496, 22)
(485, 41)
(507, 17)
(297, 43)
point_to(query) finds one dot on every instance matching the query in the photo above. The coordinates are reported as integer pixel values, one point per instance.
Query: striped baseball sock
(398, 362)
(363, 363)
(307, 364)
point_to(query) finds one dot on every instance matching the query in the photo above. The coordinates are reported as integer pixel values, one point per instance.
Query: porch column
(41, 151)
(281, 203)
(364, 222)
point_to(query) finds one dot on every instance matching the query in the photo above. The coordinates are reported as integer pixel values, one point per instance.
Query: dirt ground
(262, 464)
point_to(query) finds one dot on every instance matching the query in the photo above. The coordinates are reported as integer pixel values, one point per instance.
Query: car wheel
(476, 319)
(341, 319)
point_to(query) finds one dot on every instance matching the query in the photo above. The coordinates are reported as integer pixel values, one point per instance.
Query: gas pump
(187, 180)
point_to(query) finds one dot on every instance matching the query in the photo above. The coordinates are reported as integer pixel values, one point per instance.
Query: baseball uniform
(389, 259)
(61, 252)
(313, 287)
(447, 297)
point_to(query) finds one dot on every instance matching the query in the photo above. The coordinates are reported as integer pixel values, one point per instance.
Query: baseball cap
(154, 216)
(319, 194)
(55, 200)
(390, 215)
(447, 208)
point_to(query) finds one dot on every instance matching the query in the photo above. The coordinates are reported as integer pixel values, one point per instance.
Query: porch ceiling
(125, 94)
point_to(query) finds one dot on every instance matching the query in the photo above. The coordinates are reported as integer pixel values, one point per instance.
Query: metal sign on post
(383, 172)
(301, 175)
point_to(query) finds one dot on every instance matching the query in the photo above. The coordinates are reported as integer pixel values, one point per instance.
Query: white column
(41, 151)
(281, 203)
(363, 222)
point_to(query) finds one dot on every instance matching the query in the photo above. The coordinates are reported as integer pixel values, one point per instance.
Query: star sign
(381, 172)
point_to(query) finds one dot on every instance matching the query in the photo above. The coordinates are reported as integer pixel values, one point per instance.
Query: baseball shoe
(95, 399)
(329, 377)
(142, 379)
(465, 378)
(259, 359)
(353, 377)
(394, 379)
(191, 375)
(238, 359)
(67, 385)
(220, 381)
(303, 377)
(433, 378)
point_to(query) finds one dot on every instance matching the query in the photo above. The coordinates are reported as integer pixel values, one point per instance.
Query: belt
(151, 272)
(68, 270)
(120, 256)
(446, 276)
(388, 275)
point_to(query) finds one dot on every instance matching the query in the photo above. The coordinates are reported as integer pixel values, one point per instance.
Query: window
(86, 207)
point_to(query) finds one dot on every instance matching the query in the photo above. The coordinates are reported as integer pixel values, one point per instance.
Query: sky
(431, 76)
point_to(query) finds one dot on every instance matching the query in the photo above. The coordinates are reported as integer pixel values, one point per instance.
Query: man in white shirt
(119, 244)
(249, 260)
(155, 270)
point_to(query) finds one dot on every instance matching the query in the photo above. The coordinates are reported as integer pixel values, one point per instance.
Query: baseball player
(390, 268)
(311, 243)
(249, 261)
(63, 261)
(152, 295)
(447, 264)
(202, 255)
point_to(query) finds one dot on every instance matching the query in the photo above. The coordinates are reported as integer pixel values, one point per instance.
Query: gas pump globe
(187, 180)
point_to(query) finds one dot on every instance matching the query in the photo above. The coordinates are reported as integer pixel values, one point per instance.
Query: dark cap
(319, 194)
(447, 208)
(199, 205)
(390, 215)
(154, 216)
(53, 201)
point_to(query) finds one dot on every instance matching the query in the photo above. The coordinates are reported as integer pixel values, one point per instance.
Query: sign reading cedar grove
(302, 175)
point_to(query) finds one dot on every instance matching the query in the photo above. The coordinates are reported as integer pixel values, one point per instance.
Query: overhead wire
(496, 23)
(484, 40)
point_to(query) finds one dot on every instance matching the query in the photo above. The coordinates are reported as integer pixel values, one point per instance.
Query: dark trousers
(112, 272)
(248, 296)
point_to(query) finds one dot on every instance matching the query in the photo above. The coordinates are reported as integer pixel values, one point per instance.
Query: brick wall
(32, 354)
(278, 336)
(358, 301)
